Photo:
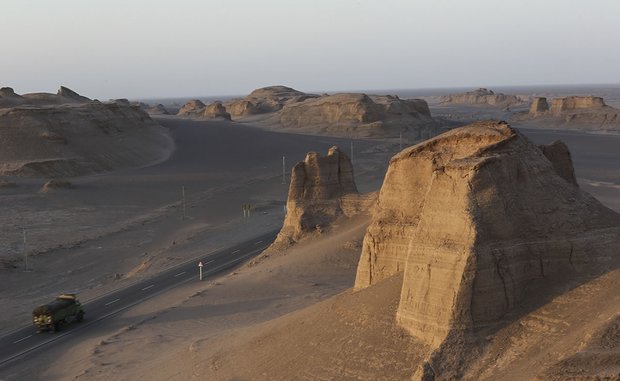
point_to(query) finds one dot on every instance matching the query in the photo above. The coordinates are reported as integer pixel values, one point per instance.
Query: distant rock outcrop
(54, 140)
(8, 92)
(241, 108)
(539, 106)
(572, 112)
(359, 115)
(158, 110)
(9, 98)
(64, 95)
(561, 105)
(345, 114)
(321, 190)
(194, 107)
(215, 111)
(479, 221)
(273, 98)
(68, 95)
(483, 97)
(265, 100)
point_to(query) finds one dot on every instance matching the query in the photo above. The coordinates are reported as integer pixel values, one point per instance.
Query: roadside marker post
(200, 266)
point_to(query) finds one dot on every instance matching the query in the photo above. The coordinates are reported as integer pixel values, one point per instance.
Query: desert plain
(297, 310)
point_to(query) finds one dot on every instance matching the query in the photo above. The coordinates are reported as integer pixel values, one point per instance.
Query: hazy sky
(151, 48)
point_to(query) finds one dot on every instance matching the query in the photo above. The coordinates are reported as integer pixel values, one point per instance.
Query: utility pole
(25, 252)
(183, 200)
(283, 169)
(351, 151)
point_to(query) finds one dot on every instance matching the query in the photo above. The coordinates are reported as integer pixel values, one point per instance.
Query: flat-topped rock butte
(473, 219)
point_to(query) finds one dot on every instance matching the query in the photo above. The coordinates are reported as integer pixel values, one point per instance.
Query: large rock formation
(78, 138)
(69, 96)
(320, 187)
(241, 108)
(539, 106)
(477, 219)
(215, 111)
(573, 112)
(346, 114)
(159, 109)
(560, 105)
(194, 107)
(64, 95)
(359, 115)
(265, 100)
(9, 98)
(483, 97)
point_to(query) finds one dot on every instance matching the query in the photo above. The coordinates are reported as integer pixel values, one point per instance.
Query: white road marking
(256, 243)
(236, 251)
(22, 339)
(179, 274)
(147, 287)
(213, 260)
(112, 302)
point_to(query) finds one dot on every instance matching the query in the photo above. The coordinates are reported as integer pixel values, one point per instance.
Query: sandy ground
(115, 227)
(290, 316)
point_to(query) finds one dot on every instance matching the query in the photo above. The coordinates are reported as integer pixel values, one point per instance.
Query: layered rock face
(366, 116)
(215, 110)
(474, 218)
(539, 106)
(320, 187)
(483, 97)
(560, 105)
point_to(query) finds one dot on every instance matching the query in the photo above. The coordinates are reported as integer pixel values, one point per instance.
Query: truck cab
(55, 314)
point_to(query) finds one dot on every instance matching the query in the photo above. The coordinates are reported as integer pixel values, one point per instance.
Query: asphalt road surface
(26, 341)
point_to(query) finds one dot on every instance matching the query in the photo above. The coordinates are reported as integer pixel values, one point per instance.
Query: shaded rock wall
(317, 193)
(559, 155)
(539, 105)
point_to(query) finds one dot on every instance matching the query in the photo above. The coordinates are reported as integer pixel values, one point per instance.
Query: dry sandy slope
(293, 316)
(231, 321)
(574, 336)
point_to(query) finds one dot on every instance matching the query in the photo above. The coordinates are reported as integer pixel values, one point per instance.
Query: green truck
(62, 310)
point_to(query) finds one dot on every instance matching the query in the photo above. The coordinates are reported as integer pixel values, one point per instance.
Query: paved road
(26, 341)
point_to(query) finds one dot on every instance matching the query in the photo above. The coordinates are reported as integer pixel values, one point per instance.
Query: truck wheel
(80, 317)
(53, 327)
